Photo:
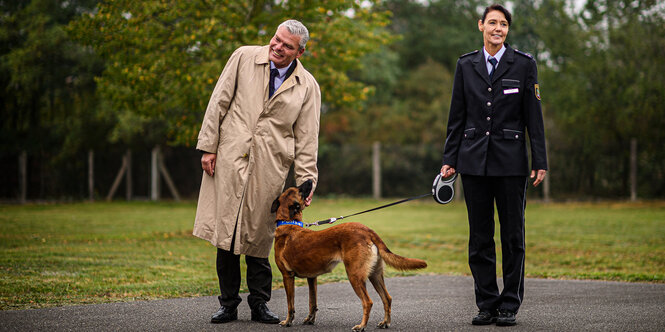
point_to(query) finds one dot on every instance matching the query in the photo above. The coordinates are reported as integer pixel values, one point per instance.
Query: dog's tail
(394, 260)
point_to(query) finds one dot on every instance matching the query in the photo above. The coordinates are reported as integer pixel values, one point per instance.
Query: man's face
(284, 48)
(495, 28)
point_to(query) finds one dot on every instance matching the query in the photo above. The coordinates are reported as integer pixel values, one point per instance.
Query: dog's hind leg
(357, 281)
(376, 278)
(312, 302)
(289, 287)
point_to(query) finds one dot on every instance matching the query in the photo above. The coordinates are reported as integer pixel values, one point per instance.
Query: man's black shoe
(224, 315)
(262, 314)
(506, 318)
(484, 317)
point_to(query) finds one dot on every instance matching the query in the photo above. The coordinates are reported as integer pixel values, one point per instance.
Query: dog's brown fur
(304, 253)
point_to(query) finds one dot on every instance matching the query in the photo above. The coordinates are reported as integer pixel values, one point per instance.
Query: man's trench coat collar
(263, 59)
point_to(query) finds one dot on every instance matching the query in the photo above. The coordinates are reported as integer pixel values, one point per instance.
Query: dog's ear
(275, 205)
(305, 189)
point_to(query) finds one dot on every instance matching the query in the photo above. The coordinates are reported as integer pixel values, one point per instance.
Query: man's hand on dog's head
(306, 189)
(308, 200)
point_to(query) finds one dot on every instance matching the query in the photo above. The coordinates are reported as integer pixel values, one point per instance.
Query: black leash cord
(332, 220)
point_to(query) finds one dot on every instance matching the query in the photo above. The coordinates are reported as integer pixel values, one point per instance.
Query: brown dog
(304, 253)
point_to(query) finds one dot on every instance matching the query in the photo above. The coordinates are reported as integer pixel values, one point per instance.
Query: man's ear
(300, 52)
(305, 189)
(275, 205)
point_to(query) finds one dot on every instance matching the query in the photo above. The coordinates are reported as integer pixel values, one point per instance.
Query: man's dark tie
(492, 61)
(271, 85)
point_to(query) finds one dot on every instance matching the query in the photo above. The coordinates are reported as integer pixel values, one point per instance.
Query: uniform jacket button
(489, 103)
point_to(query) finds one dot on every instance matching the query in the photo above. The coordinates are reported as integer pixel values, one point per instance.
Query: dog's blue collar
(289, 222)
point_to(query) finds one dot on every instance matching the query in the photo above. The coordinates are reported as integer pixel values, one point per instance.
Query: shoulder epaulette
(470, 53)
(524, 53)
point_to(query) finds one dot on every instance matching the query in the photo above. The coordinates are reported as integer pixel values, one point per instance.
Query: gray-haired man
(262, 117)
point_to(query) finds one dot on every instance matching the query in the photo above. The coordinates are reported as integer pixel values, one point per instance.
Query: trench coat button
(487, 133)
(489, 103)
(245, 155)
(489, 89)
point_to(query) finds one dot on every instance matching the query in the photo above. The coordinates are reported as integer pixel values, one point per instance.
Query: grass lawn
(64, 254)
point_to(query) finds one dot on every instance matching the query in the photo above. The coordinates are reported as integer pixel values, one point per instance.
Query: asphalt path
(420, 303)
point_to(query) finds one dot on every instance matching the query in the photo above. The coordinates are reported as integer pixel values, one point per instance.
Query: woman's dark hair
(500, 8)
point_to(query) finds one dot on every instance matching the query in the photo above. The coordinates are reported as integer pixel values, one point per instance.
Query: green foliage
(47, 87)
(412, 77)
(441, 30)
(164, 57)
(602, 87)
(53, 255)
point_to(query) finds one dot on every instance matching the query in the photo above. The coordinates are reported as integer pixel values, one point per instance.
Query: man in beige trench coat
(251, 134)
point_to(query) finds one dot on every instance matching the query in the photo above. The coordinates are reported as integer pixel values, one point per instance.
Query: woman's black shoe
(484, 317)
(506, 318)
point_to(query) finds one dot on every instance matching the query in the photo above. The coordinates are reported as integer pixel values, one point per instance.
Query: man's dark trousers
(509, 192)
(259, 279)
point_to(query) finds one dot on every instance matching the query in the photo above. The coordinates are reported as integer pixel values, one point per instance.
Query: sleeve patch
(537, 90)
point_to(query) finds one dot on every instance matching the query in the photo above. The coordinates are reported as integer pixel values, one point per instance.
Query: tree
(164, 56)
(47, 79)
(441, 30)
(47, 89)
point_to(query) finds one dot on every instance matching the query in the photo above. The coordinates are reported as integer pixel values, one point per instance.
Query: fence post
(167, 179)
(118, 178)
(376, 170)
(154, 174)
(633, 169)
(128, 176)
(23, 176)
(91, 174)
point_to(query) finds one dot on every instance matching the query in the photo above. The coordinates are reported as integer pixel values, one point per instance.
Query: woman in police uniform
(495, 102)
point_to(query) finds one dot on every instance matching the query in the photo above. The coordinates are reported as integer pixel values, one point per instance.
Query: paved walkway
(420, 303)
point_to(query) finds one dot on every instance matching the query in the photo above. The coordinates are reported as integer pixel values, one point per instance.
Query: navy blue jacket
(488, 121)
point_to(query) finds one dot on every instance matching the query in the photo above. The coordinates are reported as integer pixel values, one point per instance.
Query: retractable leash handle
(442, 189)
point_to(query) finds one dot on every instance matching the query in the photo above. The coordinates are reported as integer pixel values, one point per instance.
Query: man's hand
(308, 200)
(539, 177)
(208, 163)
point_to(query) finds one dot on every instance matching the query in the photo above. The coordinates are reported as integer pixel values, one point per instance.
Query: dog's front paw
(358, 328)
(285, 323)
(310, 320)
(383, 325)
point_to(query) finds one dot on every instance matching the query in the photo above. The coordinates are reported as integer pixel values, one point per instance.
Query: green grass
(64, 254)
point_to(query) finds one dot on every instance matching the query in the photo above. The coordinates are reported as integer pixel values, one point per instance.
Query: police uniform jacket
(489, 120)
